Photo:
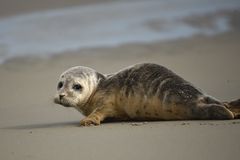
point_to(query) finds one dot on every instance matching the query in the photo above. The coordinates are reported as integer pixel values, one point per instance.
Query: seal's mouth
(64, 104)
(61, 102)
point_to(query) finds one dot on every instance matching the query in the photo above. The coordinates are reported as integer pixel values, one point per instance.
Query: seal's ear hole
(77, 87)
(60, 85)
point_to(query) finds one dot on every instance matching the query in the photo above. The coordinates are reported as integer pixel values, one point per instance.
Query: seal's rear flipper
(234, 106)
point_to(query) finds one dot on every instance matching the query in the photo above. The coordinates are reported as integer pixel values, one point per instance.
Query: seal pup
(140, 92)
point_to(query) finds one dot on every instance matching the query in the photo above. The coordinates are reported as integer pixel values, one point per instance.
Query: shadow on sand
(69, 124)
(44, 125)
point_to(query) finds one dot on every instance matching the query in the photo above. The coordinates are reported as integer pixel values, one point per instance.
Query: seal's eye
(60, 85)
(77, 87)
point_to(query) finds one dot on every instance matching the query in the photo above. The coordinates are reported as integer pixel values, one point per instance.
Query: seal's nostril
(61, 96)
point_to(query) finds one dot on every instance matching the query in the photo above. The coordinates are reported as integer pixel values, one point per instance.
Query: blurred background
(39, 39)
(35, 28)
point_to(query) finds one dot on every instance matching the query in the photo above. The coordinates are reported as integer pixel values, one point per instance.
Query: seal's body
(140, 92)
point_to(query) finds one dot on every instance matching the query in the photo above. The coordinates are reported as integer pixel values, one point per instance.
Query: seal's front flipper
(234, 106)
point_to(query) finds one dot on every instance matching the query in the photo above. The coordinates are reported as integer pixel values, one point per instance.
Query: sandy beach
(33, 127)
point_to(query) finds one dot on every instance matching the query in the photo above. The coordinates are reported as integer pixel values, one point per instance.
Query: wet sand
(32, 127)
(15, 7)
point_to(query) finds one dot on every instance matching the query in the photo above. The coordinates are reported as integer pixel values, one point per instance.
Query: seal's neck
(89, 106)
(92, 102)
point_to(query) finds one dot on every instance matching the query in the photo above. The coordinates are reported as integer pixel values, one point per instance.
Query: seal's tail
(234, 106)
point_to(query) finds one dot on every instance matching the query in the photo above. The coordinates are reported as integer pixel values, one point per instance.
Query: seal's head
(76, 85)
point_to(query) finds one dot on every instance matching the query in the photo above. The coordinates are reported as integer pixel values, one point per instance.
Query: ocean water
(108, 24)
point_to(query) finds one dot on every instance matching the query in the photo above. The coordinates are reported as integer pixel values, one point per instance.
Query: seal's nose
(61, 96)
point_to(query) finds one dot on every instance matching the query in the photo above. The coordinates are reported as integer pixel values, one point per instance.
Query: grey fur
(160, 94)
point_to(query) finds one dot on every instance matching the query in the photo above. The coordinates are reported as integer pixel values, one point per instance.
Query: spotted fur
(140, 92)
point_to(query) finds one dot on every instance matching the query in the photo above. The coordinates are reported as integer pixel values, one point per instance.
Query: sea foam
(107, 24)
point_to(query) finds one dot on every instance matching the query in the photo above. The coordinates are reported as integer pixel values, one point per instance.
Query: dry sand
(32, 127)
